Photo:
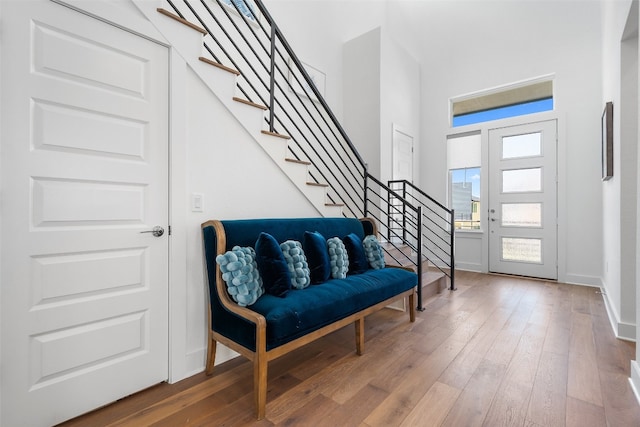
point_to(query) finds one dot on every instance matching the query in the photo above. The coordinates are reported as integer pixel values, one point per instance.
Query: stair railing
(246, 38)
(400, 222)
(438, 226)
(243, 36)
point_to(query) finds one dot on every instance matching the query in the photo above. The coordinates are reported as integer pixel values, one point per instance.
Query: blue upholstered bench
(274, 325)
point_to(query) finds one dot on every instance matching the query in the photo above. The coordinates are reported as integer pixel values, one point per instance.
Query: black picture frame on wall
(607, 141)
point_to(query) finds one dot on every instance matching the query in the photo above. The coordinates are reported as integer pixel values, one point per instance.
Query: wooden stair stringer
(221, 81)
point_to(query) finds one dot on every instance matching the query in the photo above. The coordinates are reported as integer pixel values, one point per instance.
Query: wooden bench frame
(261, 357)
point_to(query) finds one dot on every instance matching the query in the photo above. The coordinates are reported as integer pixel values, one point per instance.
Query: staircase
(243, 58)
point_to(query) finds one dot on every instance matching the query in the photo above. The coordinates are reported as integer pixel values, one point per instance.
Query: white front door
(84, 176)
(522, 200)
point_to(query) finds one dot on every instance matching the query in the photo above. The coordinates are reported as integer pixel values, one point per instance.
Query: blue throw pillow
(358, 262)
(240, 273)
(338, 258)
(373, 252)
(272, 266)
(315, 248)
(297, 264)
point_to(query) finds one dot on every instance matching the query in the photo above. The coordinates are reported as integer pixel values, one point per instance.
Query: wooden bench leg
(360, 336)
(211, 354)
(412, 307)
(260, 383)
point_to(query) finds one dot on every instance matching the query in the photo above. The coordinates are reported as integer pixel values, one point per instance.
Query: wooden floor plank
(498, 351)
(471, 407)
(509, 406)
(433, 407)
(584, 381)
(356, 409)
(584, 414)
(548, 397)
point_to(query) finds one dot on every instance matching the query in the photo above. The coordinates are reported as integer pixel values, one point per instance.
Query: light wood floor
(499, 351)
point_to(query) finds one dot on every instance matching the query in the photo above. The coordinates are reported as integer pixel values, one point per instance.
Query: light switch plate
(197, 202)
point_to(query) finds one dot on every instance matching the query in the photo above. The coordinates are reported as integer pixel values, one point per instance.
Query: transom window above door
(527, 98)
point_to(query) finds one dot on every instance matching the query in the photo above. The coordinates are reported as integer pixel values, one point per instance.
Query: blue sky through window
(471, 175)
(245, 7)
(504, 112)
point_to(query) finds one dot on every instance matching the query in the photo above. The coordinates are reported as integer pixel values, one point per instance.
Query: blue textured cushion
(315, 248)
(297, 263)
(358, 262)
(240, 273)
(338, 258)
(373, 252)
(272, 266)
(305, 311)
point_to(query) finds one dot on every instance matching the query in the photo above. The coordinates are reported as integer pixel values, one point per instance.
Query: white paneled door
(523, 200)
(84, 177)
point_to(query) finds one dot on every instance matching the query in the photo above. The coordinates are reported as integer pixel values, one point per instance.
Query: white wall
(317, 29)
(620, 85)
(361, 95)
(234, 186)
(381, 89)
(619, 193)
(468, 46)
(400, 101)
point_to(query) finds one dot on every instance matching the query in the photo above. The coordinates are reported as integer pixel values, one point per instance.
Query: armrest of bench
(213, 246)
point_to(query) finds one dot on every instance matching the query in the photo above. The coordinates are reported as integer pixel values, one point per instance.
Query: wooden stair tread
(183, 21)
(300, 162)
(252, 104)
(279, 135)
(218, 65)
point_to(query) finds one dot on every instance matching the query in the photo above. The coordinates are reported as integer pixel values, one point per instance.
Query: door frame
(470, 242)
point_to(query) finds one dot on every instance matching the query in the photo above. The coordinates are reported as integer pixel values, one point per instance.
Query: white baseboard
(195, 360)
(622, 330)
(577, 279)
(224, 353)
(468, 266)
(635, 379)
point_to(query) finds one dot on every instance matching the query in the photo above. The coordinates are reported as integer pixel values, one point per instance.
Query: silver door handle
(157, 231)
(493, 219)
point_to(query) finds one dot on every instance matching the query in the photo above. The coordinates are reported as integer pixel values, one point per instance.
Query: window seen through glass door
(465, 197)
(463, 163)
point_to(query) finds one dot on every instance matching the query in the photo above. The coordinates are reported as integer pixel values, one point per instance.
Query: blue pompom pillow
(373, 252)
(240, 273)
(358, 262)
(338, 258)
(272, 265)
(297, 263)
(315, 249)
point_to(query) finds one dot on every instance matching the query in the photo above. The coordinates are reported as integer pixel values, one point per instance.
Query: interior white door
(402, 160)
(523, 199)
(85, 176)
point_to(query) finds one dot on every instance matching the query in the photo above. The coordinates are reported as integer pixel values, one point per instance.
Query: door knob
(157, 231)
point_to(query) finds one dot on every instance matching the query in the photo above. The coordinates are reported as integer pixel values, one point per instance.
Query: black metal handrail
(400, 246)
(270, 73)
(438, 226)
